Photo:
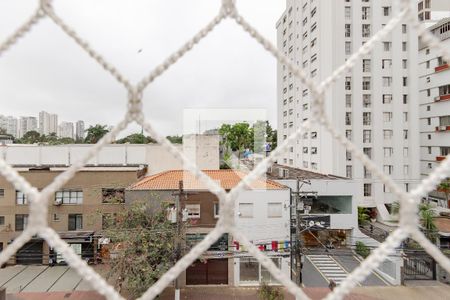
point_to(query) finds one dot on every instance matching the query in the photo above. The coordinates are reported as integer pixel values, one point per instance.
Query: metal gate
(212, 271)
(419, 267)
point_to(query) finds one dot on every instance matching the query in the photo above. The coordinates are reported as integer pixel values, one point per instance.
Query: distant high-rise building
(66, 130)
(79, 130)
(9, 124)
(48, 123)
(27, 124)
(431, 11)
(375, 104)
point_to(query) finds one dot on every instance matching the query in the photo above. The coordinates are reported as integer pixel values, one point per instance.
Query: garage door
(30, 254)
(214, 271)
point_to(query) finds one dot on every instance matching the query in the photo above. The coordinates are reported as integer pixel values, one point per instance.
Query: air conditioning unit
(442, 128)
(437, 98)
(58, 202)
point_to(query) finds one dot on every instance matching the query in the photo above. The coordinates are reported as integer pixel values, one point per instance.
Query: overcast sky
(47, 71)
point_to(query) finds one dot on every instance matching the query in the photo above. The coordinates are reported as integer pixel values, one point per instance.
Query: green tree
(30, 137)
(147, 246)
(175, 139)
(427, 215)
(237, 137)
(136, 138)
(363, 216)
(95, 133)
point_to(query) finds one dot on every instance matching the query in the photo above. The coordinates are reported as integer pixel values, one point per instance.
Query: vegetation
(362, 249)
(136, 138)
(145, 246)
(444, 187)
(240, 136)
(34, 137)
(95, 133)
(175, 139)
(363, 216)
(427, 221)
(268, 292)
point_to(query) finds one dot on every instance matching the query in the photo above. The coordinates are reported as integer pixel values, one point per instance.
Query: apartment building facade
(374, 104)
(79, 130)
(48, 123)
(431, 11)
(9, 124)
(434, 92)
(27, 124)
(65, 130)
(75, 212)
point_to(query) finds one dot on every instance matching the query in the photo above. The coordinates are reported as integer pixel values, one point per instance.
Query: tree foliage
(363, 216)
(175, 139)
(95, 133)
(145, 246)
(34, 137)
(136, 138)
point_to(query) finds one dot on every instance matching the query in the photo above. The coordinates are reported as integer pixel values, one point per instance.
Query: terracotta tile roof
(228, 179)
(442, 224)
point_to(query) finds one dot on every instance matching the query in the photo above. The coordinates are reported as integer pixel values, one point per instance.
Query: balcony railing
(441, 68)
(442, 98)
(443, 128)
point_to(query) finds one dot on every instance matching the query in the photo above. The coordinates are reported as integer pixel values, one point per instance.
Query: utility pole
(178, 242)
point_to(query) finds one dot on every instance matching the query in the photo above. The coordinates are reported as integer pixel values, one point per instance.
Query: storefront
(251, 272)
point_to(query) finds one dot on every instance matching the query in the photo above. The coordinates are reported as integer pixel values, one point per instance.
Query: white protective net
(409, 221)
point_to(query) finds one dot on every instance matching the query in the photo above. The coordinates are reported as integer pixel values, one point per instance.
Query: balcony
(441, 68)
(443, 128)
(440, 158)
(445, 97)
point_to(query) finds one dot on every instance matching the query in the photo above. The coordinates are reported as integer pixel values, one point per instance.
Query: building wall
(90, 182)
(316, 42)
(204, 151)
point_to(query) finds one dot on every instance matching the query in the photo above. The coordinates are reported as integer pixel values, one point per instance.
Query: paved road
(328, 267)
(350, 262)
(41, 279)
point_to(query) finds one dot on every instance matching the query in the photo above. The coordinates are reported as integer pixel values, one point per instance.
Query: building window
(216, 210)
(2, 220)
(366, 83)
(387, 46)
(367, 136)
(368, 152)
(367, 120)
(21, 198)
(348, 48)
(365, 30)
(75, 222)
(2, 193)
(348, 118)
(404, 46)
(348, 155)
(367, 173)
(21, 222)
(405, 152)
(387, 81)
(405, 116)
(246, 210)
(348, 171)
(388, 151)
(365, 12)
(387, 98)
(388, 169)
(251, 271)
(386, 63)
(348, 83)
(387, 134)
(56, 218)
(313, 135)
(367, 190)
(274, 210)
(313, 150)
(405, 81)
(348, 135)
(69, 197)
(405, 99)
(193, 211)
(405, 134)
(348, 100)
(405, 63)
(386, 11)
(113, 195)
(405, 169)
(348, 32)
(387, 117)
(348, 13)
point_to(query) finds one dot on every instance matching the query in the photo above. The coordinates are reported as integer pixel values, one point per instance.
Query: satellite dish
(311, 223)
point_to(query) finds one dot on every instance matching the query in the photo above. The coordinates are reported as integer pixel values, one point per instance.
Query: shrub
(268, 292)
(362, 249)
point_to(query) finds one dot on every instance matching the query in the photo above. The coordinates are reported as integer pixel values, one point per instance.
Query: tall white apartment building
(375, 104)
(434, 97)
(431, 11)
(27, 124)
(66, 130)
(48, 123)
(79, 134)
(9, 124)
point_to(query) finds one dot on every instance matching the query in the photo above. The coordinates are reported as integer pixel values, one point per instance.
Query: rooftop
(228, 179)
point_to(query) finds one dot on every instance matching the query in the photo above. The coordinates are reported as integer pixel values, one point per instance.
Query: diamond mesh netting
(409, 220)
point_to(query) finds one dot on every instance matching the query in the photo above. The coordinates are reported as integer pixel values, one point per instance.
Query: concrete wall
(203, 150)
